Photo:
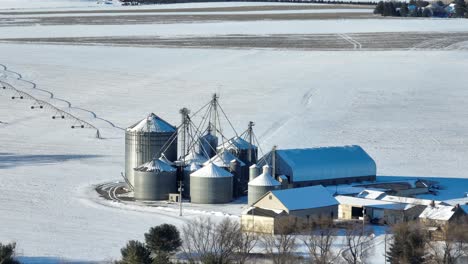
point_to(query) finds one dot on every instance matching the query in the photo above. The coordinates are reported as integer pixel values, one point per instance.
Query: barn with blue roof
(322, 165)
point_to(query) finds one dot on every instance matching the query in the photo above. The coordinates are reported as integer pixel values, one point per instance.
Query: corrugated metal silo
(146, 139)
(154, 180)
(240, 148)
(191, 167)
(208, 144)
(261, 185)
(211, 185)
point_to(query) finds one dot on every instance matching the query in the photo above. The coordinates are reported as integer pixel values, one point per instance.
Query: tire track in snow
(34, 86)
(356, 44)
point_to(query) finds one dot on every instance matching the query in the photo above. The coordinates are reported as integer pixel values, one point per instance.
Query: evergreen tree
(164, 238)
(135, 252)
(379, 8)
(7, 252)
(408, 246)
(426, 12)
(460, 8)
(404, 10)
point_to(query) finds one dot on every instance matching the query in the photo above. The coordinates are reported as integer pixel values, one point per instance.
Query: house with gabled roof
(305, 205)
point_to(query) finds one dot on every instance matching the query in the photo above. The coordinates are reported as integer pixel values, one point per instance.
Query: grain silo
(211, 185)
(261, 185)
(189, 169)
(242, 149)
(154, 180)
(208, 144)
(223, 159)
(145, 140)
(195, 157)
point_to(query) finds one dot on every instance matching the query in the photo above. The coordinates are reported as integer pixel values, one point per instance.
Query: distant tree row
(419, 8)
(203, 241)
(337, 2)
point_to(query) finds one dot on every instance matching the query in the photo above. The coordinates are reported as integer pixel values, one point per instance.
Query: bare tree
(319, 241)
(280, 247)
(357, 243)
(453, 244)
(244, 246)
(207, 242)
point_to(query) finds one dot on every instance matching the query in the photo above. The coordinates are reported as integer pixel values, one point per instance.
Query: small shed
(384, 212)
(441, 215)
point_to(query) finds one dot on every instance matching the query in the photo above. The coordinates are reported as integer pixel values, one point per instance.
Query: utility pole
(184, 130)
(250, 133)
(214, 115)
(273, 162)
(180, 170)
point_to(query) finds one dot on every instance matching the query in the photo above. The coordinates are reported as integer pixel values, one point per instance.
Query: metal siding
(210, 190)
(154, 185)
(141, 147)
(256, 192)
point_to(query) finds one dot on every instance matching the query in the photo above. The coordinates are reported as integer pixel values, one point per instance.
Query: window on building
(270, 197)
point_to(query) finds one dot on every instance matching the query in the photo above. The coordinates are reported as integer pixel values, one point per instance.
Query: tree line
(336, 2)
(204, 241)
(419, 8)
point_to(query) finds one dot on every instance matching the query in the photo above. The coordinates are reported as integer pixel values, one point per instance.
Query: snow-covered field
(406, 108)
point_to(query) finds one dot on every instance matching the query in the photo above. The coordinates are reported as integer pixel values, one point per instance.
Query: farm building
(441, 215)
(382, 196)
(400, 188)
(384, 212)
(322, 166)
(306, 204)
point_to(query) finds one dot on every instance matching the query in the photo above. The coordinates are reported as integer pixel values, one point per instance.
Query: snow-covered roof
(223, 159)
(463, 202)
(155, 165)
(152, 123)
(349, 200)
(460, 201)
(327, 162)
(163, 158)
(371, 194)
(211, 171)
(237, 143)
(195, 157)
(410, 200)
(192, 166)
(305, 198)
(438, 212)
(264, 179)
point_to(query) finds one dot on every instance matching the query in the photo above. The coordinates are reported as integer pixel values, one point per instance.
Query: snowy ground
(406, 108)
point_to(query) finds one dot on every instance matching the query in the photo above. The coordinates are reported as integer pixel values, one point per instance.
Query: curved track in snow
(34, 86)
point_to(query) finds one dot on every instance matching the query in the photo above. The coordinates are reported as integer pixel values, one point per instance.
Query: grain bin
(154, 180)
(261, 185)
(208, 144)
(145, 140)
(240, 148)
(211, 185)
(223, 159)
(189, 168)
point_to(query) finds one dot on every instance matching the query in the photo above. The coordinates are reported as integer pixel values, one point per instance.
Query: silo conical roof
(152, 123)
(223, 159)
(195, 157)
(192, 167)
(264, 179)
(164, 159)
(211, 171)
(155, 165)
(237, 143)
